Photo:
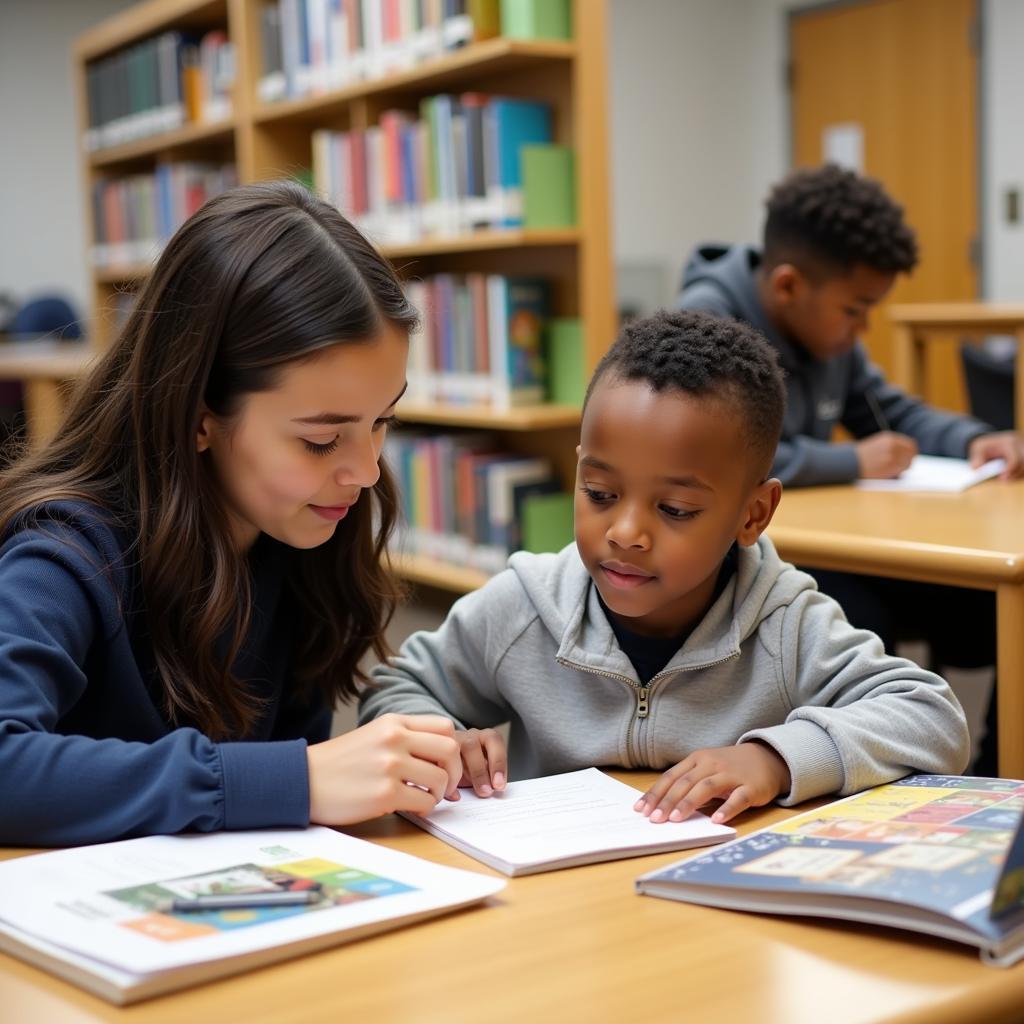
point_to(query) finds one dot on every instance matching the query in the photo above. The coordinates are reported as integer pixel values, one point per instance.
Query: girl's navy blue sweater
(86, 753)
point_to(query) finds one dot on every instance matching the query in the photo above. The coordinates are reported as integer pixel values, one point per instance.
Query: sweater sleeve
(55, 605)
(860, 717)
(451, 671)
(936, 432)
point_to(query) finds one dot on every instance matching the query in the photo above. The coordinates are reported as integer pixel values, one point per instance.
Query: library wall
(43, 220)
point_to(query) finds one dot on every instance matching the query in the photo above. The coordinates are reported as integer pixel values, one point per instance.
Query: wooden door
(898, 79)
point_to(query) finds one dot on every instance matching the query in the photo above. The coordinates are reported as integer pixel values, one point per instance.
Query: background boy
(670, 635)
(834, 243)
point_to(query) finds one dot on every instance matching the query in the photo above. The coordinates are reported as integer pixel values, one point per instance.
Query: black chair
(989, 380)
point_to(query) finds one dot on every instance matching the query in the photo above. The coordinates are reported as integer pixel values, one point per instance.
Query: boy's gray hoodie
(773, 659)
(721, 280)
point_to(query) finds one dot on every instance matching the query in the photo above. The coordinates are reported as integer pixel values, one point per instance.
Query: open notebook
(935, 473)
(561, 821)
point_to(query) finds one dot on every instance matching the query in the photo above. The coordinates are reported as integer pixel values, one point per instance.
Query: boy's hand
(484, 760)
(884, 455)
(747, 775)
(1005, 445)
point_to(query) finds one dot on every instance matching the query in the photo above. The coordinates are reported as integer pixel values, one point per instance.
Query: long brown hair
(261, 276)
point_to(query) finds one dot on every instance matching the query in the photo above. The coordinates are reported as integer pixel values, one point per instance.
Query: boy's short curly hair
(831, 219)
(704, 356)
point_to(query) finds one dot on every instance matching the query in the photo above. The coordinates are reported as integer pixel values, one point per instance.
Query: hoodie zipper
(641, 690)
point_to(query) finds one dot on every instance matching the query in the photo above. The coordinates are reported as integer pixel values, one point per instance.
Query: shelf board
(147, 19)
(527, 417)
(152, 144)
(492, 56)
(121, 275)
(479, 241)
(434, 573)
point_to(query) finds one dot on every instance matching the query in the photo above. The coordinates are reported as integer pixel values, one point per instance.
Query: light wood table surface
(573, 946)
(45, 368)
(974, 539)
(916, 325)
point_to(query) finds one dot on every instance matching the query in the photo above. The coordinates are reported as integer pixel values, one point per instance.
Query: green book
(549, 186)
(547, 522)
(536, 19)
(567, 380)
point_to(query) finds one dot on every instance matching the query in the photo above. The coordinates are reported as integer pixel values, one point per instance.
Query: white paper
(562, 817)
(934, 473)
(843, 144)
(73, 898)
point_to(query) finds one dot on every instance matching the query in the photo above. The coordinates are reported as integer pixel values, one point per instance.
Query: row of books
(313, 46)
(463, 164)
(135, 216)
(158, 85)
(468, 503)
(480, 339)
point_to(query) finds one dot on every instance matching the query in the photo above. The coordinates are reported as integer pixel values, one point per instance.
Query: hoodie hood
(565, 600)
(730, 273)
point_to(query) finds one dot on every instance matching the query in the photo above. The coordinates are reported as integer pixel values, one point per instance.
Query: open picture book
(938, 854)
(561, 821)
(104, 917)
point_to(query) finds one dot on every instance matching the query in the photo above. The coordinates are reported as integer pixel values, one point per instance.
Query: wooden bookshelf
(267, 140)
(434, 573)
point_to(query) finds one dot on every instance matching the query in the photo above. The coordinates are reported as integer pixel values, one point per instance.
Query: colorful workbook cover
(933, 853)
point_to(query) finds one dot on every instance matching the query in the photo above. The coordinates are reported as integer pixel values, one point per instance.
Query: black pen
(242, 901)
(876, 409)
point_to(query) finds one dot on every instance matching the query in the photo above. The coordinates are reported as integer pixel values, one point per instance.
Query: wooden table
(45, 368)
(916, 325)
(974, 539)
(576, 945)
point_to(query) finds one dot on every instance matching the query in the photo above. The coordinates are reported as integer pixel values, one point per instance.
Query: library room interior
(458, 455)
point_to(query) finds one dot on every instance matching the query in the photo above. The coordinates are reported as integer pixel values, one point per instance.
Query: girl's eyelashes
(386, 422)
(320, 449)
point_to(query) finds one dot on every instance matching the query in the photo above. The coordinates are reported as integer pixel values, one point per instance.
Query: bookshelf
(265, 139)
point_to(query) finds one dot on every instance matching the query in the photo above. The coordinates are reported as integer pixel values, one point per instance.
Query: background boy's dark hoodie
(722, 280)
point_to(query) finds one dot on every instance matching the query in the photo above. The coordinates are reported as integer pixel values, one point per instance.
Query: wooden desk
(577, 945)
(45, 368)
(915, 325)
(974, 539)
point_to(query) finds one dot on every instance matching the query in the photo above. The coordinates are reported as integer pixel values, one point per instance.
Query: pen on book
(876, 410)
(243, 901)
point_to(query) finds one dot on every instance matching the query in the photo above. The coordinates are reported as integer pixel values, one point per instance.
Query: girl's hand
(484, 760)
(396, 763)
(747, 775)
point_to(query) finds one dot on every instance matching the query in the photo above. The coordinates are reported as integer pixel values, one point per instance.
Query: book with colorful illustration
(938, 854)
(125, 919)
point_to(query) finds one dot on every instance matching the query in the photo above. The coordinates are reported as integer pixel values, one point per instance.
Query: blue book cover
(939, 854)
(513, 123)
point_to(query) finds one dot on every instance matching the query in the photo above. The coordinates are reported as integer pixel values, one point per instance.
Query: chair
(47, 315)
(989, 380)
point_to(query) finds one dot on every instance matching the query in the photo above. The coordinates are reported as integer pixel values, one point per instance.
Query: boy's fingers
(682, 800)
(476, 767)
(497, 758)
(739, 800)
(661, 786)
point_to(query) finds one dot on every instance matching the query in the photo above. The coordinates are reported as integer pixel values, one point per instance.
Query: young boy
(670, 635)
(834, 244)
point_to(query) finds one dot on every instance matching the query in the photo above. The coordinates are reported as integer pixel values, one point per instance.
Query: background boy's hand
(1005, 445)
(884, 455)
(747, 775)
(484, 760)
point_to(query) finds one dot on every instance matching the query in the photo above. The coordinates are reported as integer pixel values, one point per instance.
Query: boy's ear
(760, 508)
(784, 282)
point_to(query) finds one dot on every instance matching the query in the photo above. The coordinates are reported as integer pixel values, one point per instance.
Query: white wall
(42, 232)
(1003, 148)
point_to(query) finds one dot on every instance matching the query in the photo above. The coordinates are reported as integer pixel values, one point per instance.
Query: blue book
(939, 854)
(508, 125)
